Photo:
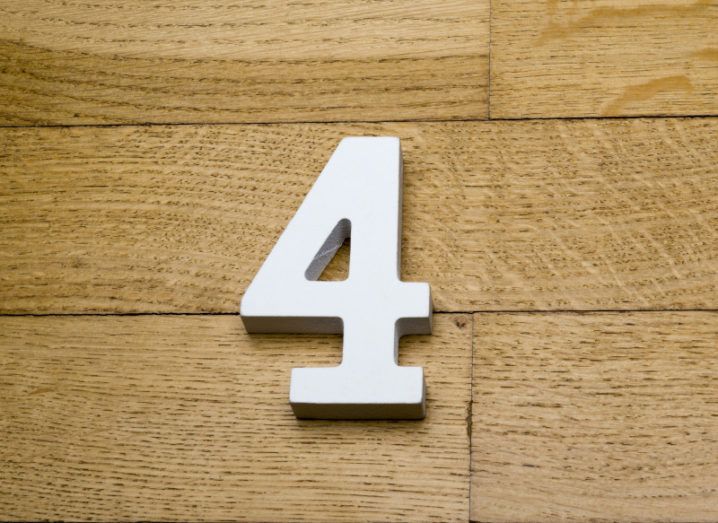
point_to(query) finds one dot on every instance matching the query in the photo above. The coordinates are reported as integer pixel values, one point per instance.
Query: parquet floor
(560, 195)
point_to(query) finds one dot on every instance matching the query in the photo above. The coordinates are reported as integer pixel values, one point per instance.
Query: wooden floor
(561, 197)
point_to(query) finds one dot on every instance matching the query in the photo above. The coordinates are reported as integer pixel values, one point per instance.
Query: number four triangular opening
(331, 262)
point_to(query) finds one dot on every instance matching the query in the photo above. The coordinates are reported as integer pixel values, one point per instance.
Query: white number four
(358, 194)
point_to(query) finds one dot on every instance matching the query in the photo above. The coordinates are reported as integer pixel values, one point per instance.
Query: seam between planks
(470, 416)
(488, 84)
(459, 312)
(377, 122)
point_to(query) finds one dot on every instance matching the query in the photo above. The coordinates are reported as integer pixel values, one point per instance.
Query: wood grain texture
(603, 58)
(497, 215)
(194, 61)
(187, 418)
(595, 417)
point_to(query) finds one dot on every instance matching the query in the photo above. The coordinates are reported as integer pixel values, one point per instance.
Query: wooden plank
(497, 215)
(223, 61)
(603, 58)
(598, 417)
(187, 418)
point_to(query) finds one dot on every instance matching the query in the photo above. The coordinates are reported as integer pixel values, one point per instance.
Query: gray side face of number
(358, 194)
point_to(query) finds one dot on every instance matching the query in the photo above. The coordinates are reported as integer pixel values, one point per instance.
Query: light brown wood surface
(224, 61)
(603, 58)
(595, 417)
(186, 417)
(497, 215)
(573, 370)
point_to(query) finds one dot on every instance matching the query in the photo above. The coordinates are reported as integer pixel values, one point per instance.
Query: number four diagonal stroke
(358, 194)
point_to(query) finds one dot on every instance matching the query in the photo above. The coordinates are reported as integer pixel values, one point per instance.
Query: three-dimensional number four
(358, 194)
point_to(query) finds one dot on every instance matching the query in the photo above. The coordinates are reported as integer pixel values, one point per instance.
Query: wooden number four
(358, 194)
